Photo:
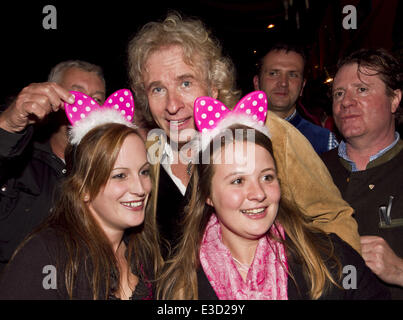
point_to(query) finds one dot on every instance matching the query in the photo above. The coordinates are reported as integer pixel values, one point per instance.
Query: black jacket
(367, 287)
(37, 273)
(170, 209)
(29, 176)
(369, 190)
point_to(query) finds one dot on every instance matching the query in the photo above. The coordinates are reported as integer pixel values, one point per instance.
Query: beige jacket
(304, 178)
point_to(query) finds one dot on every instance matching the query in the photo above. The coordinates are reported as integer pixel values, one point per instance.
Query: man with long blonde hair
(175, 61)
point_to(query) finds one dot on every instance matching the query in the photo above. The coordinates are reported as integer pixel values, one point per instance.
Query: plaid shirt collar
(342, 151)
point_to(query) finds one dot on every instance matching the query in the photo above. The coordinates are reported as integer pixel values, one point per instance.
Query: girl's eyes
(145, 172)
(123, 175)
(268, 177)
(119, 176)
(237, 181)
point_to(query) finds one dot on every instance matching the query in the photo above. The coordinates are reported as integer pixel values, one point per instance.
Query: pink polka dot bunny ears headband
(213, 117)
(85, 113)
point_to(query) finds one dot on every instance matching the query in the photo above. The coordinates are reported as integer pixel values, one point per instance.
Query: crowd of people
(202, 194)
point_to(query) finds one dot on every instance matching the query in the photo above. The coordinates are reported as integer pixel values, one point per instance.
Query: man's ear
(214, 92)
(256, 82)
(302, 87)
(397, 97)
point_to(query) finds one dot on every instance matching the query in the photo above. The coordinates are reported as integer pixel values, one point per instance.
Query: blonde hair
(178, 279)
(200, 49)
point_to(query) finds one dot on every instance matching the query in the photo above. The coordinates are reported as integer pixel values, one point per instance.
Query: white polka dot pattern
(121, 100)
(208, 112)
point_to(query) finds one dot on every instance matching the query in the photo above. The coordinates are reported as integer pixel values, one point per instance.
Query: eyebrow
(355, 85)
(119, 168)
(153, 84)
(234, 173)
(186, 76)
(78, 88)
(182, 77)
(144, 165)
(338, 88)
(280, 69)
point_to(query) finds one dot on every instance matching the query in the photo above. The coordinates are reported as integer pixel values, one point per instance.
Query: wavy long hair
(178, 280)
(200, 49)
(89, 165)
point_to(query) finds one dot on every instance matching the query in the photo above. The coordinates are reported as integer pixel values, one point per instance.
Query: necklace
(241, 266)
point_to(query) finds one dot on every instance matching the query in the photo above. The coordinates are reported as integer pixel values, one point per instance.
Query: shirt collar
(291, 116)
(167, 154)
(342, 152)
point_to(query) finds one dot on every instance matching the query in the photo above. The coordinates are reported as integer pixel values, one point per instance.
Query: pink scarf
(266, 279)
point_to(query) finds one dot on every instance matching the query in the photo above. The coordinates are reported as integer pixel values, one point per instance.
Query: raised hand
(32, 104)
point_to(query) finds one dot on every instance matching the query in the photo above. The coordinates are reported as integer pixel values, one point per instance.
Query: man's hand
(32, 104)
(381, 259)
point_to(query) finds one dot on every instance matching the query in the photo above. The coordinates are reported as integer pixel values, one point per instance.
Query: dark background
(99, 31)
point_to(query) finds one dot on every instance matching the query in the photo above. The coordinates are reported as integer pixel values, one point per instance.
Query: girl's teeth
(253, 211)
(133, 204)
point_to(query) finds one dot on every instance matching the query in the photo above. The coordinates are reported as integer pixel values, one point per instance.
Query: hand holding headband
(85, 113)
(121, 100)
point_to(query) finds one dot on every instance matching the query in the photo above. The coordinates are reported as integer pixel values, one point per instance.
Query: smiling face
(362, 110)
(245, 194)
(172, 86)
(120, 204)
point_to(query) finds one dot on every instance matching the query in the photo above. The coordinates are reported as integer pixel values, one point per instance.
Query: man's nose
(174, 102)
(348, 100)
(283, 80)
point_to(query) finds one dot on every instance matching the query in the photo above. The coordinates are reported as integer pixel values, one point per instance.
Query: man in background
(281, 77)
(367, 165)
(33, 138)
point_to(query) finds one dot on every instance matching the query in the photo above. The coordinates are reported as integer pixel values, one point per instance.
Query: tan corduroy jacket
(304, 178)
